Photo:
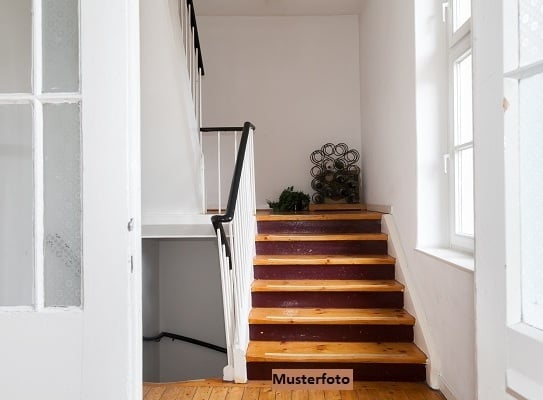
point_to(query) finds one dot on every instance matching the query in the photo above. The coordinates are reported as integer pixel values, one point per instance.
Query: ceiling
(276, 7)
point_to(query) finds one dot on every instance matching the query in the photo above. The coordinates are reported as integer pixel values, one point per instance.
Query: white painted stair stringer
(413, 304)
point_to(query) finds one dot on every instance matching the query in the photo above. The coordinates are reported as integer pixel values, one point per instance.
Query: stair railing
(193, 53)
(236, 254)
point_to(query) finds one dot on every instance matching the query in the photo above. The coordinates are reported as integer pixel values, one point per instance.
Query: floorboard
(215, 389)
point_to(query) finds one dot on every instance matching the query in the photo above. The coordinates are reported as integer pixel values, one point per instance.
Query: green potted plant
(290, 200)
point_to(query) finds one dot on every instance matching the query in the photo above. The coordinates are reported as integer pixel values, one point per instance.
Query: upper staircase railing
(236, 253)
(193, 53)
(236, 250)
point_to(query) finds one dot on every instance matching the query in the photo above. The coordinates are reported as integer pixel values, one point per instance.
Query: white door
(70, 298)
(523, 39)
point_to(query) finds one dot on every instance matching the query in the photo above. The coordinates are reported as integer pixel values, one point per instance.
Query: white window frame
(459, 47)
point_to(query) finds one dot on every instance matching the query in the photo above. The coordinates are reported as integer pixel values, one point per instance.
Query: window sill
(456, 258)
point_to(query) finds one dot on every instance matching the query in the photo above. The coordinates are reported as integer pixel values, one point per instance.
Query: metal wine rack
(335, 174)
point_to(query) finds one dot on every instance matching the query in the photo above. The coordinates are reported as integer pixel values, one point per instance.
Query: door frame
(489, 180)
(113, 31)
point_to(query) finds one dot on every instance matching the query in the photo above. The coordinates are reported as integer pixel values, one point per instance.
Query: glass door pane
(62, 186)
(16, 46)
(60, 46)
(531, 31)
(531, 198)
(16, 206)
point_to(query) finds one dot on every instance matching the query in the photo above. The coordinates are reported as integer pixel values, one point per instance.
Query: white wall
(182, 295)
(295, 78)
(150, 308)
(171, 175)
(389, 115)
(190, 305)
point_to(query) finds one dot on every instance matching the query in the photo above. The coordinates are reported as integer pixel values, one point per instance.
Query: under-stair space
(324, 296)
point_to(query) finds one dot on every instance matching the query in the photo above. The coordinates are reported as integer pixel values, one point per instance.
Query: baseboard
(382, 208)
(446, 389)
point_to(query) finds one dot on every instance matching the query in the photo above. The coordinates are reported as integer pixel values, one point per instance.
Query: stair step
(331, 325)
(331, 316)
(320, 238)
(312, 285)
(314, 259)
(369, 361)
(330, 223)
(320, 226)
(335, 244)
(335, 352)
(327, 207)
(327, 293)
(323, 267)
(329, 216)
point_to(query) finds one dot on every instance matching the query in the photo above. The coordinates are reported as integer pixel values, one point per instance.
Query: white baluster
(197, 95)
(219, 170)
(182, 16)
(200, 97)
(187, 30)
(190, 53)
(194, 77)
(236, 147)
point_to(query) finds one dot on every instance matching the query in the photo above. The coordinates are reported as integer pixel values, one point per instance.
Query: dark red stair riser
(361, 371)
(324, 227)
(331, 333)
(293, 272)
(328, 299)
(332, 247)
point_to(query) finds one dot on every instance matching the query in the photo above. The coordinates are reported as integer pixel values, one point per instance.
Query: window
(459, 158)
(461, 13)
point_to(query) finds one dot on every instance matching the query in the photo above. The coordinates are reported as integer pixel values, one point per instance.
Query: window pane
(462, 12)
(62, 187)
(463, 114)
(60, 46)
(531, 31)
(464, 192)
(16, 206)
(531, 198)
(16, 46)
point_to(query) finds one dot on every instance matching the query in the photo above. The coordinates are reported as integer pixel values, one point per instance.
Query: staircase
(324, 296)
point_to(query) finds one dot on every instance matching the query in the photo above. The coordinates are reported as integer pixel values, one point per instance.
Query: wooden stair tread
(319, 238)
(329, 216)
(317, 285)
(358, 352)
(331, 316)
(312, 259)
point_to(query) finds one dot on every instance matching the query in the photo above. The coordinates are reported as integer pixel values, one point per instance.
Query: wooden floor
(261, 390)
